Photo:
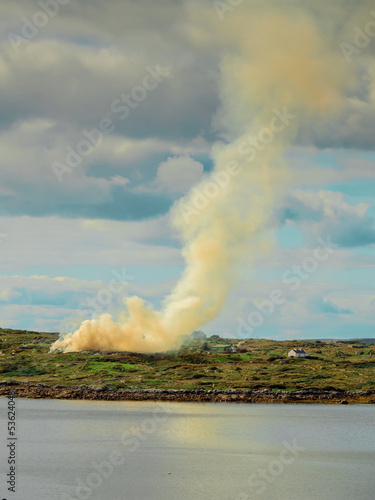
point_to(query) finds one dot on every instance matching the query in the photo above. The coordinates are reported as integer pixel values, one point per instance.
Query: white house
(298, 353)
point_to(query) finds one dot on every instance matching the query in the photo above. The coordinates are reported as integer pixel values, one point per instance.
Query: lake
(179, 451)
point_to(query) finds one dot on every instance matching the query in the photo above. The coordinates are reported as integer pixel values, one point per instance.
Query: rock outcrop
(92, 392)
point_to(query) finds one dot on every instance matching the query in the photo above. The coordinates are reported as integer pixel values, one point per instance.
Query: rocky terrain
(87, 392)
(256, 370)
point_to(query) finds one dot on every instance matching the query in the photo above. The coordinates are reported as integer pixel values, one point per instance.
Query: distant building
(198, 335)
(298, 353)
(221, 348)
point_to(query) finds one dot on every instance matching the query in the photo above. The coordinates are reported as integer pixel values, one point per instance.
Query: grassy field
(25, 357)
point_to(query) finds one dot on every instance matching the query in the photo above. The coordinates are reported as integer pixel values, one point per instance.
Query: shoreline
(102, 393)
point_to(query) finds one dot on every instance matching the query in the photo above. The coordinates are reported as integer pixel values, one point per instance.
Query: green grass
(25, 357)
(116, 368)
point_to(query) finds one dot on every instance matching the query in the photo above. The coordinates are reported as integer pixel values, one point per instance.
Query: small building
(221, 348)
(298, 353)
(198, 335)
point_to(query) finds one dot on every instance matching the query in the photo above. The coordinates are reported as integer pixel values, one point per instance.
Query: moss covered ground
(25, 357)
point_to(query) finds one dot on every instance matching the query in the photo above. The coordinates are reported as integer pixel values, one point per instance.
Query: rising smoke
(274, 60)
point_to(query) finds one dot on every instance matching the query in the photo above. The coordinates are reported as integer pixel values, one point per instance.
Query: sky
(111, 111)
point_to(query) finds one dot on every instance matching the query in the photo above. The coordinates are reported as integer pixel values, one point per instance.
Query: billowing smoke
(279, 72)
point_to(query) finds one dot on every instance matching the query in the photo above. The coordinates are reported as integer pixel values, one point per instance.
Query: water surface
(169, 451)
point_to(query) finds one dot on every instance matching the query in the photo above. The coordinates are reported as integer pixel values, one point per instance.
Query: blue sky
(64, 236)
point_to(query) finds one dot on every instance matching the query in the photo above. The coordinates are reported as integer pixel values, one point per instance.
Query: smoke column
(273, 63)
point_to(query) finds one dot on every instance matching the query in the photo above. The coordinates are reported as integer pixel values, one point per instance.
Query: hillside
(257, 364)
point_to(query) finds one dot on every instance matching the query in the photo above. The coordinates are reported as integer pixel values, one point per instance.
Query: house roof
(299, 351)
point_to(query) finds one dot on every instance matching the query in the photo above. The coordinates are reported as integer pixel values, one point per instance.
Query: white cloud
(55, 241)
(309, 169)
(328, 214)
(8, 295)
(179, 173)
(61, 304)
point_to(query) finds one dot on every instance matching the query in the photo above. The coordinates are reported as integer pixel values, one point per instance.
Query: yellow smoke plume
(275, 62)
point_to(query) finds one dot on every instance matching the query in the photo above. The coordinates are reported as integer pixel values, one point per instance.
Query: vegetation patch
(255, 364)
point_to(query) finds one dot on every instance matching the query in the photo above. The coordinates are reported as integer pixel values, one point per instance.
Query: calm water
(163, 451)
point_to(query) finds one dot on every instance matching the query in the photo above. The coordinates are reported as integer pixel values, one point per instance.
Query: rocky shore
(91, 392)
